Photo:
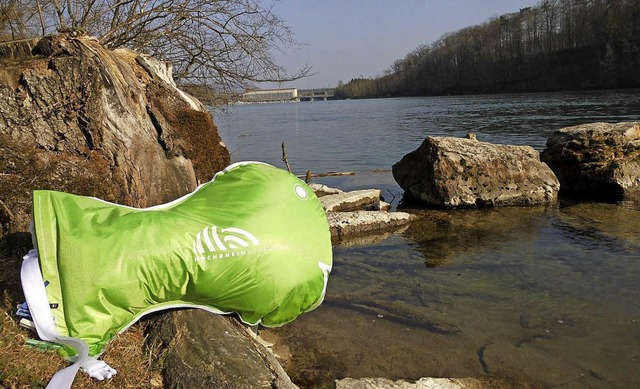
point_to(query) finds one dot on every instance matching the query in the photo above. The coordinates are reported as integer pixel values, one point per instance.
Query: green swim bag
(253, 241)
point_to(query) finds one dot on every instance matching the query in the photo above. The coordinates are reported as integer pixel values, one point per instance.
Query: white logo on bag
(219, 243)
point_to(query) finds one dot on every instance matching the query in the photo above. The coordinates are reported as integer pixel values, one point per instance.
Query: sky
(345, 39)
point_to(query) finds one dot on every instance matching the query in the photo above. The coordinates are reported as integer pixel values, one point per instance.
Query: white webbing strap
(36, 296)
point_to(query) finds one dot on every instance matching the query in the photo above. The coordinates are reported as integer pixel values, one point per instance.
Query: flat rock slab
(323, 190)
(350, 201)
(458, 172)
(346, 225)
(423, 383)
(205, 350)
(378, 206)
(597, 159)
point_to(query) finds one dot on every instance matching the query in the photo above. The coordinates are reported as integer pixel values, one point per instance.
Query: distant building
(270, 95)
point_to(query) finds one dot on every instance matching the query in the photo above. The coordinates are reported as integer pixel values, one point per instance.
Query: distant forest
(556, 45)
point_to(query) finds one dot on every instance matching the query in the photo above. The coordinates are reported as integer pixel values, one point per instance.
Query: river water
(535, 297)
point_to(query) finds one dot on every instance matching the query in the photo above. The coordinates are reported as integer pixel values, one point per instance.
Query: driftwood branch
(7, 210)
(284, 156)
(308, 175)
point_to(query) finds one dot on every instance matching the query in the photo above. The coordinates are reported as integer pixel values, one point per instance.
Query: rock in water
(347, 225)
(350, 201)
(454, 172)
(597, 159)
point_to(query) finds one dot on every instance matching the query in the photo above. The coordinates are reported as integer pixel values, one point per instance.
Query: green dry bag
(253, 241)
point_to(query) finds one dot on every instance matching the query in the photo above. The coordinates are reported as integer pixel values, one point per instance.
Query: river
(535, 297)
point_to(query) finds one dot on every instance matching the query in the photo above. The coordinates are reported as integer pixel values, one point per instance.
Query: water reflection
(549, 295)
(442, 236)
(619, 222)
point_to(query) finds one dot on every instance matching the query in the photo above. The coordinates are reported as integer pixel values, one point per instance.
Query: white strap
(36, 296)
(97, 369)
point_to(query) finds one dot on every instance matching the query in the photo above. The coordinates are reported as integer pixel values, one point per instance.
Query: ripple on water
(547, 296)
(550, 293)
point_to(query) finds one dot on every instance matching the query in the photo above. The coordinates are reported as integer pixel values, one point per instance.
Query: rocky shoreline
(358, 215)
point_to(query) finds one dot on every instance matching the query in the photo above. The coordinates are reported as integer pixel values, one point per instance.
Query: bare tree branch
(223, 43)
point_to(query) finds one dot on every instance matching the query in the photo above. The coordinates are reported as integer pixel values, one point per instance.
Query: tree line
(555, 45)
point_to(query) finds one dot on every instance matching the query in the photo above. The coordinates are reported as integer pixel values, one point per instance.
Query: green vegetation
(557, 45)
(23, 366)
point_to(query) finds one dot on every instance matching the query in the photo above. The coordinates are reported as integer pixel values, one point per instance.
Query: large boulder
(459, 172)
(80, 118)
(597, 159)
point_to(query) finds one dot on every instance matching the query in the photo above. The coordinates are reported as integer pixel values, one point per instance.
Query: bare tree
(11, 21)
(225, 43)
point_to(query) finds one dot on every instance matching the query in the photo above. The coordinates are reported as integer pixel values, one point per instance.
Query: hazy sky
(344, 39)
